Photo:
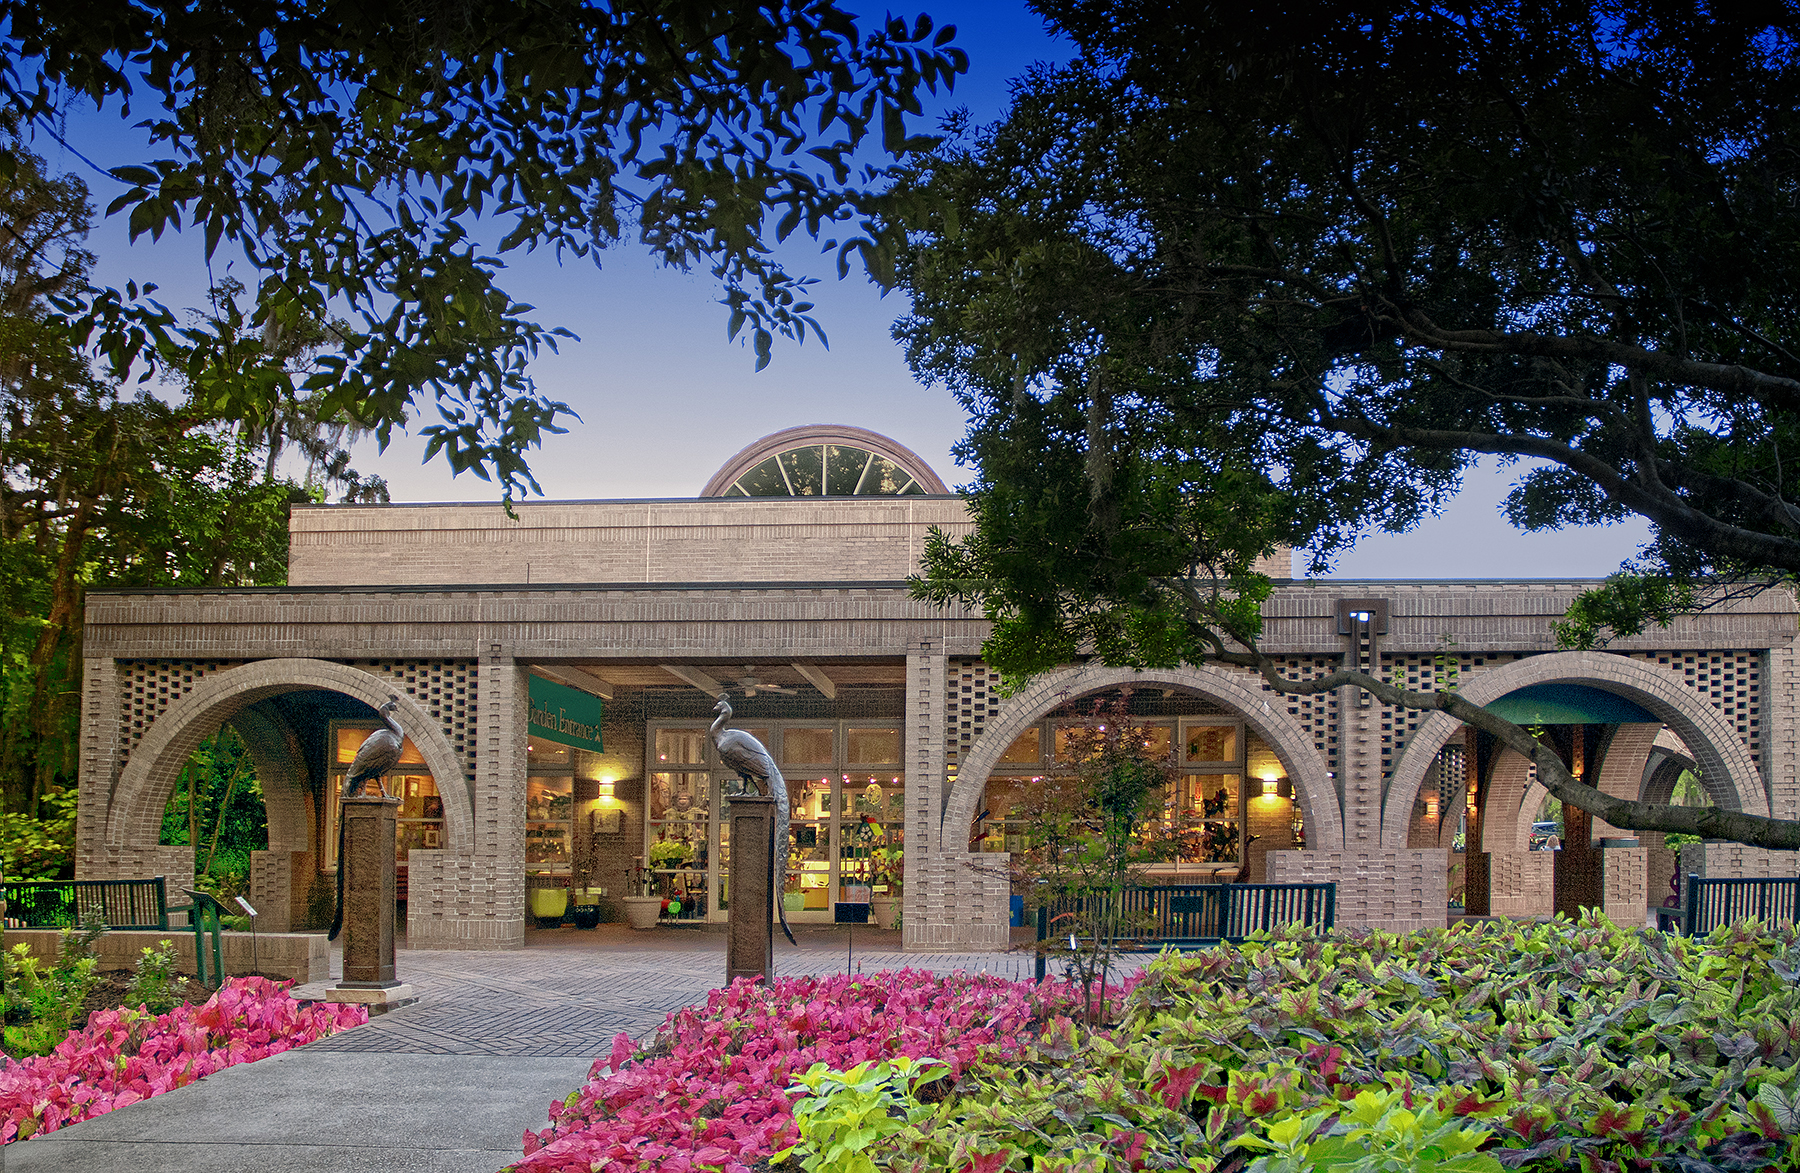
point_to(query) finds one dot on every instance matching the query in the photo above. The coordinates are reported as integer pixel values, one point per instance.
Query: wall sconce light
(1271, 787)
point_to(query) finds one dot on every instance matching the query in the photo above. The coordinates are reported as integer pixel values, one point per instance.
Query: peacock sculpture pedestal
(368, 863)
(750, 932)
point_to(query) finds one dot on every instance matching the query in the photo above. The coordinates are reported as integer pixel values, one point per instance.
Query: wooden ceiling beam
(816, 677)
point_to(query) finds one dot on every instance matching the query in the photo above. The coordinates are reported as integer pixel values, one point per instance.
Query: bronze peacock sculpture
(378, 754)
(751, 761)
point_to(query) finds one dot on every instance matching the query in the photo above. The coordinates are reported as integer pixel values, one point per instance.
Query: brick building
(556, 672)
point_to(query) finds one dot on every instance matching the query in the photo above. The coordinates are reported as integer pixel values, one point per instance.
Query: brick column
(927, 787)
(272, 888)
(1781, 729)
(1363, 872)
(99, 770)
(1622, 770)
(478, 901)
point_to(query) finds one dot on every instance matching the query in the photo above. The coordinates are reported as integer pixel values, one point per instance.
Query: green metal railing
(1191, 916)
(61, 904)
(1711, 903)
(133, 905)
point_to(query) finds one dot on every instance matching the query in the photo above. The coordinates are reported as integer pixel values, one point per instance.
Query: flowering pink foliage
(712, 1091)
(123, 1056)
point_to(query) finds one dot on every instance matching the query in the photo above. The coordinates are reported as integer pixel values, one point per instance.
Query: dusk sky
(665, 399)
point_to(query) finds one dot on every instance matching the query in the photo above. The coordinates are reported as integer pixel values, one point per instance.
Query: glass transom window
(826, 470)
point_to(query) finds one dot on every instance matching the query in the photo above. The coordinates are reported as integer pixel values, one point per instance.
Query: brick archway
(1729, 774)
(1313, 788)
(134, 818)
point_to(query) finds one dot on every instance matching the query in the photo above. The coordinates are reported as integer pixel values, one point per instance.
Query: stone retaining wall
(303, 957)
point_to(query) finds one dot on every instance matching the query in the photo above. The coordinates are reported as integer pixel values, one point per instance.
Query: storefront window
(421, 814)
(1212, 743)
(1211, 811)
(808, 884)
(1025, 750)
(847, 807)
(808, 745)
(872, 747)
(872, 830)
(549, 810)
(680, 838)
(681, 746)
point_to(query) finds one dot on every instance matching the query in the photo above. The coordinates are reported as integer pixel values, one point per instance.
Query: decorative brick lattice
(446, 688)
(971, 696)
(1317, 712)
(1452, 778)
(1730, 681)
(147, 688)
(1422, 673)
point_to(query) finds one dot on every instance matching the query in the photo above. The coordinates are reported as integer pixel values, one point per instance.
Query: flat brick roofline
(786, 587)
(541, 503)
(1330, 586)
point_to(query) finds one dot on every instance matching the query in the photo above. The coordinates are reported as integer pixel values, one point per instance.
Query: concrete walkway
(448, 1085)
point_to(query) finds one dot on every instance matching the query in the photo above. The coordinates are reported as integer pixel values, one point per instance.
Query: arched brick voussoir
(135, 817)
(1238, 691)
(1729, 773)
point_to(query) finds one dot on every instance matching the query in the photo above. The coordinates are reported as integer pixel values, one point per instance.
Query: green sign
(565, 715)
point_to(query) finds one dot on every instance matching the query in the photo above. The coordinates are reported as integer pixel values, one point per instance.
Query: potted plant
(669, 853)
(888, 868)
(641, 908)
(548, 906)
(586, 910)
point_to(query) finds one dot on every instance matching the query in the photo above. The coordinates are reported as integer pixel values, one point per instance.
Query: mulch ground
(109, 994)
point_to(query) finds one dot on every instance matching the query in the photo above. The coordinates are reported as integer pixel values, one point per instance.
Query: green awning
(1569, 704)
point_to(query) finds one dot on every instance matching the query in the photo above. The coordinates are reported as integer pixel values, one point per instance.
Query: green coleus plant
(1479, 1048)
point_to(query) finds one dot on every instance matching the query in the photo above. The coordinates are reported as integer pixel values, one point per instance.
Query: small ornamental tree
(1092, 822)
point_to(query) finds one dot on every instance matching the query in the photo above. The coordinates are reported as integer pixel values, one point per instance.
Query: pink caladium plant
(123, 1056)
(711, 1091)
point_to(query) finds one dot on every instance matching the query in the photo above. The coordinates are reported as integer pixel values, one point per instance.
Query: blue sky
(665, 399)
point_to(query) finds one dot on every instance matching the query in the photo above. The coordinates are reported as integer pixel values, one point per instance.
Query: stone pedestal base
(368, 863)
(378, 998)
(750, 937)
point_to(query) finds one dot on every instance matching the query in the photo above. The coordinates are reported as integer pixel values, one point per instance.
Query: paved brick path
(569, 992)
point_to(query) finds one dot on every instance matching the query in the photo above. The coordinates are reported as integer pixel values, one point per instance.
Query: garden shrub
(1484, 1047)
(40, 1000)
(156, 986)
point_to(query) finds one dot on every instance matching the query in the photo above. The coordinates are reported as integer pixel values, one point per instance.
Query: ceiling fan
(751, 686)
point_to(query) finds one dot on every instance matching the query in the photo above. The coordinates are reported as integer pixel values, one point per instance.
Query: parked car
(1541, 834)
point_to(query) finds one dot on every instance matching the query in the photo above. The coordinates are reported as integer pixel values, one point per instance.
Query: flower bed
(1478, 1048)
(123, 1056)
(711, 1091)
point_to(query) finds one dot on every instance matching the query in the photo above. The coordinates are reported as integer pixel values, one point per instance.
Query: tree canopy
(1247, 275)
(359, 152)
(102, 487)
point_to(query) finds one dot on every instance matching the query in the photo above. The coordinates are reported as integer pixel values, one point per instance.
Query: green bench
(1198, 916)
(1711, 903)
(141, 905)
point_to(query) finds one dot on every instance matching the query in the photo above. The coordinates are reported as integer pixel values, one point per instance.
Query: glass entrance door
(846, 800)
